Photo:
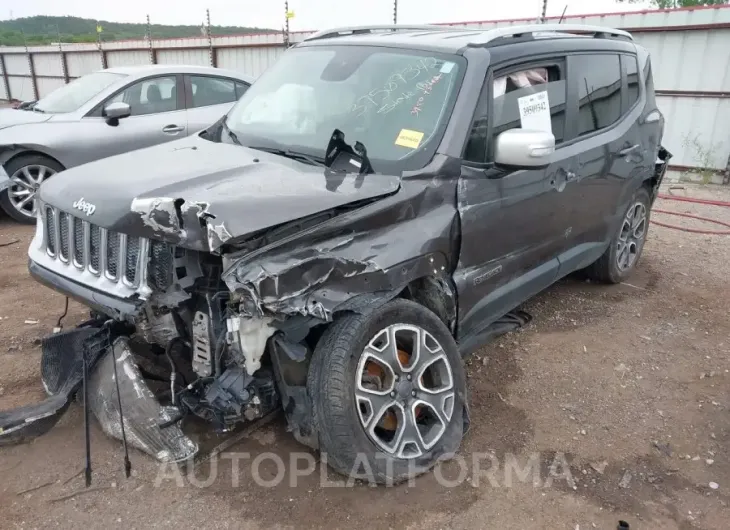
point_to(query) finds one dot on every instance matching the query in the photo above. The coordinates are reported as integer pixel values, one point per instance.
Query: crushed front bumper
(117, 308)
(148, 426)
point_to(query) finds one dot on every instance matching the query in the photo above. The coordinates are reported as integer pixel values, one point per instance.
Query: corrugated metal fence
(690, 53)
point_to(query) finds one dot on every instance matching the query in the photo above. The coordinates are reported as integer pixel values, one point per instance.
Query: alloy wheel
(404, 390)
(631, 237)
(24, 184)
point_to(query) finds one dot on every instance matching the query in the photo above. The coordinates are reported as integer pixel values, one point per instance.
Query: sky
(309, 14)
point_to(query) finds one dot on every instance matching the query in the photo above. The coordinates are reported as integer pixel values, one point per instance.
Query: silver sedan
(104, 114)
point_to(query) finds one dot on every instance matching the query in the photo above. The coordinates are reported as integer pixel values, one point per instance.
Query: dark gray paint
(487, 238)
(204, 193)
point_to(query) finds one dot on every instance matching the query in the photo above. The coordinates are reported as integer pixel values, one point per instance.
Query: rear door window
(599, 91)
(632, 78)
(207, 91)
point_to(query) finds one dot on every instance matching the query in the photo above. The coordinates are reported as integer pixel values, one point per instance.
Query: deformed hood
(9, 117)
(200, 194)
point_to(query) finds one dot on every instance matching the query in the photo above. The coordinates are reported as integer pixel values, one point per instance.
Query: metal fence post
(286, 21)
(395, 11)
(6, 79)
(33, 78)
(64, 64)
(153, 54)
(211, 51)
(102, 53)
(64, 67)
(31, 67)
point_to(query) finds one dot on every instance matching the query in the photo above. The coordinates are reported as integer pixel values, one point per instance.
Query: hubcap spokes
(404, 390)
(24, 184)
(631, 238)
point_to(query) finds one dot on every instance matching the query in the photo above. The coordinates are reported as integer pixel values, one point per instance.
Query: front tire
(624, 251)
(388, 392)
(27, 173)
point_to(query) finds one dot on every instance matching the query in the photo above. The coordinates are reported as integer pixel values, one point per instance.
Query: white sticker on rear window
(535, 112)
(447, 67)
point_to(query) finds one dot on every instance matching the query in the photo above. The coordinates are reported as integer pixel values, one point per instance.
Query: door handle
(627, 151)
(172, 129)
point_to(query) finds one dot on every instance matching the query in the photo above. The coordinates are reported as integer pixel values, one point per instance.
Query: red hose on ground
(697, 201)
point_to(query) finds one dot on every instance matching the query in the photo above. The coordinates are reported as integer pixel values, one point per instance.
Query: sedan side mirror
(521, 148)
(116, 111)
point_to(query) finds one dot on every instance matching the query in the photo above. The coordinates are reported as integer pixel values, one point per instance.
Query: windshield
(395, 102)
(69, 98)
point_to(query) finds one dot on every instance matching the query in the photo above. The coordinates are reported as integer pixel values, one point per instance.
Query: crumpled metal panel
(143, 414)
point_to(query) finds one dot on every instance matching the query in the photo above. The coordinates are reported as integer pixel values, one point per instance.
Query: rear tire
(387, 412)
(27, 172)
(624, 251)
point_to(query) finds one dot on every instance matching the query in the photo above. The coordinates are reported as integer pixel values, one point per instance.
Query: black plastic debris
(61, 374)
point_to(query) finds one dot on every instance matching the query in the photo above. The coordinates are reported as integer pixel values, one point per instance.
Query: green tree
(673, 4)
(44, 30)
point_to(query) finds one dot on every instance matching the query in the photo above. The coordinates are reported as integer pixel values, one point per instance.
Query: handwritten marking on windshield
(392, 105)
(381, 98)
(426, 88)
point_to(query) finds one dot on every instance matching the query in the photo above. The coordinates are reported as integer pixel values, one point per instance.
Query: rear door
(208, 98)
(158, 116)
(606, 137)
(511, 220)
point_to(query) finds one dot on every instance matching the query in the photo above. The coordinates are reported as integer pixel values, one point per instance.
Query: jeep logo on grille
(84, 206)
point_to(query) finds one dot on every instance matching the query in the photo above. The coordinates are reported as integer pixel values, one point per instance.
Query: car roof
(153, 69)
(448, 39)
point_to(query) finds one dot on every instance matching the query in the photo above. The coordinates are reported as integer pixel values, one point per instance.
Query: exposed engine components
(247, 340)
(202, 346)
(233, 397)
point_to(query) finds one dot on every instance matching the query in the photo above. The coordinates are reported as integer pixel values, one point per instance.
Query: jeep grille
(91, 247)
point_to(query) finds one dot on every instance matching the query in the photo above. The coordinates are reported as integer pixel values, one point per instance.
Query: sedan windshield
(69, 98)
(394, 102)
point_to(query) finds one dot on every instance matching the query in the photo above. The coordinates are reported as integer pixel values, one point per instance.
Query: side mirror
(524, 148)
(116, 111)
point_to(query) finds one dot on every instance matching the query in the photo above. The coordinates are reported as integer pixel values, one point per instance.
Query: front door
(511, 220)
(158, 116)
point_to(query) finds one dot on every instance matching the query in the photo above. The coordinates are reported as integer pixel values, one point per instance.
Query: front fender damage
(321, 280)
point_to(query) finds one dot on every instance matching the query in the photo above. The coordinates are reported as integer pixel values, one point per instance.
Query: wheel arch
(7, 155)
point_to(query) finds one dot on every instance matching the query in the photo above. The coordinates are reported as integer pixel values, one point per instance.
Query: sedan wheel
(27, 173)
(24, 186)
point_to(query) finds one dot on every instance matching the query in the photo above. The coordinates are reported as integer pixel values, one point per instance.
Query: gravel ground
(619, 395)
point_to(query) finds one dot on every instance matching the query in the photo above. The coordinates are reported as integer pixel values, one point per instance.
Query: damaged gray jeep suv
(375, 207)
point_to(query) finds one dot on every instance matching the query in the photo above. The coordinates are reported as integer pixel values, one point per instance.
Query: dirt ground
(630, 383)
